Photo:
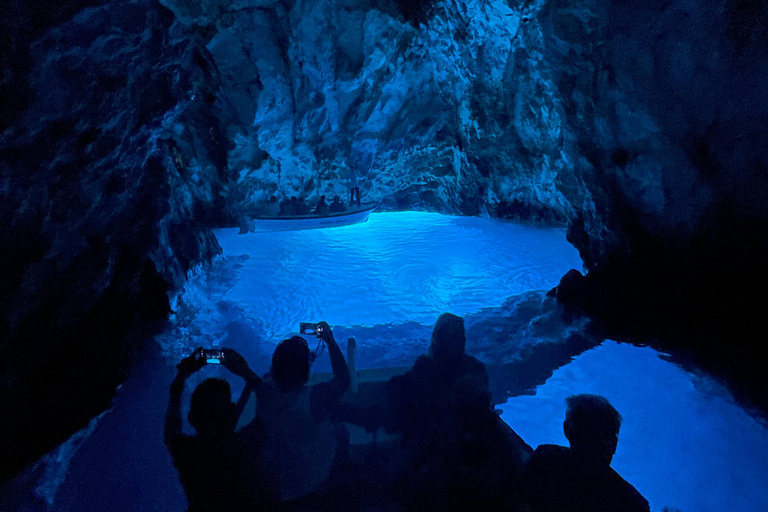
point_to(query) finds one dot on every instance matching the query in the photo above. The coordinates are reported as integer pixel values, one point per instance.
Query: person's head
(448, 338)
(290, 364)
(211, 411)
(293, 199)
(336, 199)
(273, 199)
(322, 199)
(592, 427)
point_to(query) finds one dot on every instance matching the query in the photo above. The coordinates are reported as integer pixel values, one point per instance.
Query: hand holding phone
(311, 329)
(211, 355)
(191, 363)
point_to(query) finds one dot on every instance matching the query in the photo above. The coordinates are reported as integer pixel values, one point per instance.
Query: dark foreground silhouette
(218, 468)
(580, 478)
(443, 447)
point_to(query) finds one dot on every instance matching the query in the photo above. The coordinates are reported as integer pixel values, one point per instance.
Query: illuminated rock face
(456, 115)
(128, 128)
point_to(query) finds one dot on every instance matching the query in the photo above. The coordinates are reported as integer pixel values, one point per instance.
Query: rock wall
(445, 106)
(667, 106)
(128, 128)
(111, 166)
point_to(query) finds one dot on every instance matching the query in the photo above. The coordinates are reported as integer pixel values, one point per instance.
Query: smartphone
(212, 355)
(310, 328)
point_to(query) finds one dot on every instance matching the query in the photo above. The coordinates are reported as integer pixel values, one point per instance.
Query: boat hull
(299, 222)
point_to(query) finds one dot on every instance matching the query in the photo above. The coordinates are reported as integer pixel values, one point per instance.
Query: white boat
(356, 215)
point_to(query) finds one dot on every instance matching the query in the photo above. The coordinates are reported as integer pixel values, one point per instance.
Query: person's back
(443, 383)
(300, 451)
(301, 207)
(302, 443)
(322, 207)
(458, 456)
(272, 208)
(216, 473)
(579, 478)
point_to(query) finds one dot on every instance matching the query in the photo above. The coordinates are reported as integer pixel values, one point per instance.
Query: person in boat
(337, 205)
(564, 479)
(218, 466)
(441, 383)
(354, 187)
(302, 208)
(303, 446)
(458, 457)
(285, 207)
(322, 207)
(272, 209)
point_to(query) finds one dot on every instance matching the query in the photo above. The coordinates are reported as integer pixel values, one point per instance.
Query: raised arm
(237, 364)
(186, 367)
(341, 377)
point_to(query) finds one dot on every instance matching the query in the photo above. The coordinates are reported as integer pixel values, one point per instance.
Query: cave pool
(684, 443)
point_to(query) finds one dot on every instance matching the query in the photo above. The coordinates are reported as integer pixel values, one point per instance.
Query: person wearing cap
(302, 444)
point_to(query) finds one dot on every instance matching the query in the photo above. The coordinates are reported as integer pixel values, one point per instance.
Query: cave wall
(667, 106)
(129, 127)
(446, 106)
(111, 163)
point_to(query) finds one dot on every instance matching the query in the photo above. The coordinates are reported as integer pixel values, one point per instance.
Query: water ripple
(397, 267)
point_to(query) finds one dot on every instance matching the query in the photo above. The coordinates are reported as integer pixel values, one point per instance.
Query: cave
(136, 136)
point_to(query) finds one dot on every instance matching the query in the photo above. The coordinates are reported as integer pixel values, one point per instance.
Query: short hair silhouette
(592, 425)
(211, 409)
(290, 363)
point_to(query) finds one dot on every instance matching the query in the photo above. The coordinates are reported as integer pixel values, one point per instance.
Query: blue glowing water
(395, 268)
(683, 444)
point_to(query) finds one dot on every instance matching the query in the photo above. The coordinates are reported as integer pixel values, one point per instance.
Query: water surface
(397, 267)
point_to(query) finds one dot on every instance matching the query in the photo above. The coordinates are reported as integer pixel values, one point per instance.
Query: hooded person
(443, 383)
(450, 435)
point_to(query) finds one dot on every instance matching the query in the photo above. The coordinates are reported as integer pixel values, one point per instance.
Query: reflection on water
(683, 443)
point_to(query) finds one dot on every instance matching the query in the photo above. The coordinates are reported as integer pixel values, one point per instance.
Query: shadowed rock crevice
(101, 219)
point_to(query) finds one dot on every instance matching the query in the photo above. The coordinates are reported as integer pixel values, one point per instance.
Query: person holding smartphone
(218, 467)
(303, 444)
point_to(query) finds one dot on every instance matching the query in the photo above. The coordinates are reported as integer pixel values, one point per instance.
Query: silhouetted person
(354, 187)
(272, 208)
(459, 457)
(218, 467)
(322, 207)
(285, 207)
(442, 384)
(293, 206)
(302, 443)
(580, 478)
(337, 205)
(302, 208)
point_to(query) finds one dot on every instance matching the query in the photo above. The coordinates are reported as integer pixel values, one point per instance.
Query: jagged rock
(109, 176)
(128, 128)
